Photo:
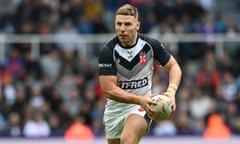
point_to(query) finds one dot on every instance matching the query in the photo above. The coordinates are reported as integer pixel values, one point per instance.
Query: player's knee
(128, 140)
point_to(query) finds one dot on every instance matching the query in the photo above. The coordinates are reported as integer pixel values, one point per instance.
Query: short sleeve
(106, 64)
(161, 54)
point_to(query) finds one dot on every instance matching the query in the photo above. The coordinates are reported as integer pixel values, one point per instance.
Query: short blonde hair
(128, 10)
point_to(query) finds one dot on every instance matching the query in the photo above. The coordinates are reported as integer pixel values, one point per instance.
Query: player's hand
(147, 103)
(171, 95)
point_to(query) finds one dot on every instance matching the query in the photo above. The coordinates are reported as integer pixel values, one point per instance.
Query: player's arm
(112, 91)
(175, 74)
(169, 63)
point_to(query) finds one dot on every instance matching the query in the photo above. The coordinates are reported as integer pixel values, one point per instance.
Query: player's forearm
(175, 75)
(120, 95)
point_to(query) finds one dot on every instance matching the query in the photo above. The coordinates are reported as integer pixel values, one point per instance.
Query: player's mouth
(122, 36)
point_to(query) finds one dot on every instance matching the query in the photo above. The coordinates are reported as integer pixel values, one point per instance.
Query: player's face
(126, 28)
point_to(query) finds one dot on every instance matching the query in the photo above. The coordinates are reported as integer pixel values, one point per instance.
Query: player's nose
(122, 28)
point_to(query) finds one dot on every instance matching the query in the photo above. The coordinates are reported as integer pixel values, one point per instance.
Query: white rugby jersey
(133, 67)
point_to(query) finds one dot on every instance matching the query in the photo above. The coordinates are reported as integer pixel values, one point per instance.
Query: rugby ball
(163, 108)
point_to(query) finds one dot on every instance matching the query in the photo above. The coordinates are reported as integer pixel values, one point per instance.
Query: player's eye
(119, 24)
(128, 24)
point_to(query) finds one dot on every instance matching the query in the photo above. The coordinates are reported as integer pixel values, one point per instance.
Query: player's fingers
(153, 103)
(173, 107)
(150, 114)
(167, 94)
(150, 108)
(152, 95)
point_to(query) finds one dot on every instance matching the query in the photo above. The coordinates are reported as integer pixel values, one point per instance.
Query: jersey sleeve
(106, 64)
(161, 54)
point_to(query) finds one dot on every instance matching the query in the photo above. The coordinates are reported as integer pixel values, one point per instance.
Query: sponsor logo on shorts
(141, 109)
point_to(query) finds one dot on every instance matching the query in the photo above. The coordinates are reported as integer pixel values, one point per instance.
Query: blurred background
(48, 62)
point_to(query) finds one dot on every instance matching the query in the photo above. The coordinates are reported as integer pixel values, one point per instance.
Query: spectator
(84, 25)
(66, 120)
(207, 27)
(97, 127)
(36, 127)
(51, 64)
(165, 128)
(3, 123)
(232, 116)
(55, 100)
(9, 93)
(15, 124)
(69, 64)
(98, 109)
(4, 108)
(208, 77)
(67, 27)
(161, 9)
(73, 102)
(184, 98)
(37, 101)
(225, 63)
(65, 85)
(55, 125)
(80, 82)
(20, 102)
(182, 123)
(229, 87)
(8, 7)
(179, 9)
(6, 24)
(195, 10)
(216, 128)
(78, 131)
(64, 10)
(220, 26)
(32, 66)
(199, 99)
(14, 63)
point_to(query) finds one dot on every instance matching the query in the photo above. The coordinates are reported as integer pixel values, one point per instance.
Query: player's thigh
(113, 141)
(114, 126)
(135, 126)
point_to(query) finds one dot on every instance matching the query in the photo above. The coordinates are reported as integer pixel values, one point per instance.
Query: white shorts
(114, 123)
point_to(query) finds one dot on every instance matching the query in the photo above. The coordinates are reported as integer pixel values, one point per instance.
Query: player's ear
(138, 25)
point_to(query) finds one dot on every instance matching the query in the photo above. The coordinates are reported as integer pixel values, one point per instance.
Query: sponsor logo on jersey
(101, 65)
(134, 84)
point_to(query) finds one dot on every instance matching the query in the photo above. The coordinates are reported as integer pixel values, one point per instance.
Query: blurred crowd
(44, 96)
(96, 16)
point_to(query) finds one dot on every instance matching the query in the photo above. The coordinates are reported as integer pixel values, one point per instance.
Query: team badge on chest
(142, 58)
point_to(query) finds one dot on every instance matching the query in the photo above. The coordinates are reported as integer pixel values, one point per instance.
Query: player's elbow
(108, 85)
(107, 91)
